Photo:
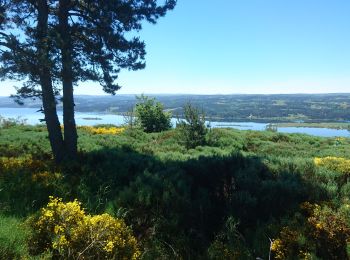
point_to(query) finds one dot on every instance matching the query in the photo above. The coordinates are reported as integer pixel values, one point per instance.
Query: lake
(32, 117)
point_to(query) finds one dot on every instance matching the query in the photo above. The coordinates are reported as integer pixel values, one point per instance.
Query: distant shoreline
(275, 109)
(330, 125)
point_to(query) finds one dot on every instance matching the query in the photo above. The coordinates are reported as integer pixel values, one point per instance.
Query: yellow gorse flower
(26, 167)
(14, 163)
(103, 130)
(72, 231)
(329, 226)
(287, 244)
(278, 248)
(338, 164)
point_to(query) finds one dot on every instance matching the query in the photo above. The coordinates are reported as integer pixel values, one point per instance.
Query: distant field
(317, 125)
(299, 108)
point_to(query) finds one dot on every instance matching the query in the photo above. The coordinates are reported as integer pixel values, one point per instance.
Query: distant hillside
(271, 108)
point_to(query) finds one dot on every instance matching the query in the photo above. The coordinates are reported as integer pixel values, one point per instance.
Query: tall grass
(13, 236)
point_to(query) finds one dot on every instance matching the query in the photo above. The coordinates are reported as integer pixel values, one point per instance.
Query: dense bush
(330, 231)
(193, 126)
(151, 116)
(26, 183)
(67, 232)
(341, 165)
(222, 200)
(229, 243)
(318, 232)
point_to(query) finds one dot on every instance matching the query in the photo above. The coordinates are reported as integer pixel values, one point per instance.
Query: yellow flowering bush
(53, 227)
(338, 164)
(26, 167)
(66, 231)
(25, 183)
(278, 248)
(103, 130)
(331, 232)
(45, 177)
(106, 237)
(287, 245)
(15, 163)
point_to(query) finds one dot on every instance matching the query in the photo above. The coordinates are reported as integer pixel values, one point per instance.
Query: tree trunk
(70, 131)
(48, 97)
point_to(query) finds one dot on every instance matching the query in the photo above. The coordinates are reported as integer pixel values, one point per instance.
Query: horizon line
(204, 94)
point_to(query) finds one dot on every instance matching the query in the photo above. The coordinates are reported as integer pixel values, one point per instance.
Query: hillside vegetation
(256, 108)
(241, 195)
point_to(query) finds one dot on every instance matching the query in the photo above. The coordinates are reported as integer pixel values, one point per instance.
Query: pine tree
(54, 44)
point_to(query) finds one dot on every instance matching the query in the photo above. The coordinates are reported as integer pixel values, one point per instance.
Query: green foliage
(26, 183)
(187, 203)
(151, 116)
(224, 138)
(315, 232)
(193, 128)
(271, 128)
(13, 235)
(11, 122)
(229, 243)
(330, 230)
(48, 52)
(318, 109)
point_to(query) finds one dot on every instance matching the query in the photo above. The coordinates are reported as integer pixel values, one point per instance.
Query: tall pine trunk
(48, 96)
(70, 131)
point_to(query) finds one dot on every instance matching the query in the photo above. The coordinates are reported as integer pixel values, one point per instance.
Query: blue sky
(243, 46)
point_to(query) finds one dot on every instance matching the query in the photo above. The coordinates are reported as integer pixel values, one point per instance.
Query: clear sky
(243, 46)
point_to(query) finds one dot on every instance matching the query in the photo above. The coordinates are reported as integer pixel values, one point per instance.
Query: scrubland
(131, 195)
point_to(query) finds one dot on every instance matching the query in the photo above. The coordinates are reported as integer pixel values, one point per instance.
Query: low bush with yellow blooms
(35, 171)
(288, 244)
(326, 232)
(341, 165)
(103, 130)
(65, 230)
(14, 163)
(331, 232)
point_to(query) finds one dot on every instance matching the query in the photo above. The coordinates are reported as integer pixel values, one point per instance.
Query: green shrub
(150, 115)
(345, 190)
(26, 183)
(193, 128)
(177, 200)
(229, 243)
(11, 122)
(224, 138)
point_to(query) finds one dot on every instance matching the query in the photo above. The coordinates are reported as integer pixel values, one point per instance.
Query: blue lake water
(90, 119)
(32, 117)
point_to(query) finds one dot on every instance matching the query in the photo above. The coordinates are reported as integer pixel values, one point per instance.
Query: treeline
(266, 108)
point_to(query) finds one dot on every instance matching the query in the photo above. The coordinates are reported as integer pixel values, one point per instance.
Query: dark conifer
(53, 44)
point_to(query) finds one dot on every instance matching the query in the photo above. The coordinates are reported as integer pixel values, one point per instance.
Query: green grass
(13, 235)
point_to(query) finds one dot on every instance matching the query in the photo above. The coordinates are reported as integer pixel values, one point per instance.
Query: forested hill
(271, 108)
